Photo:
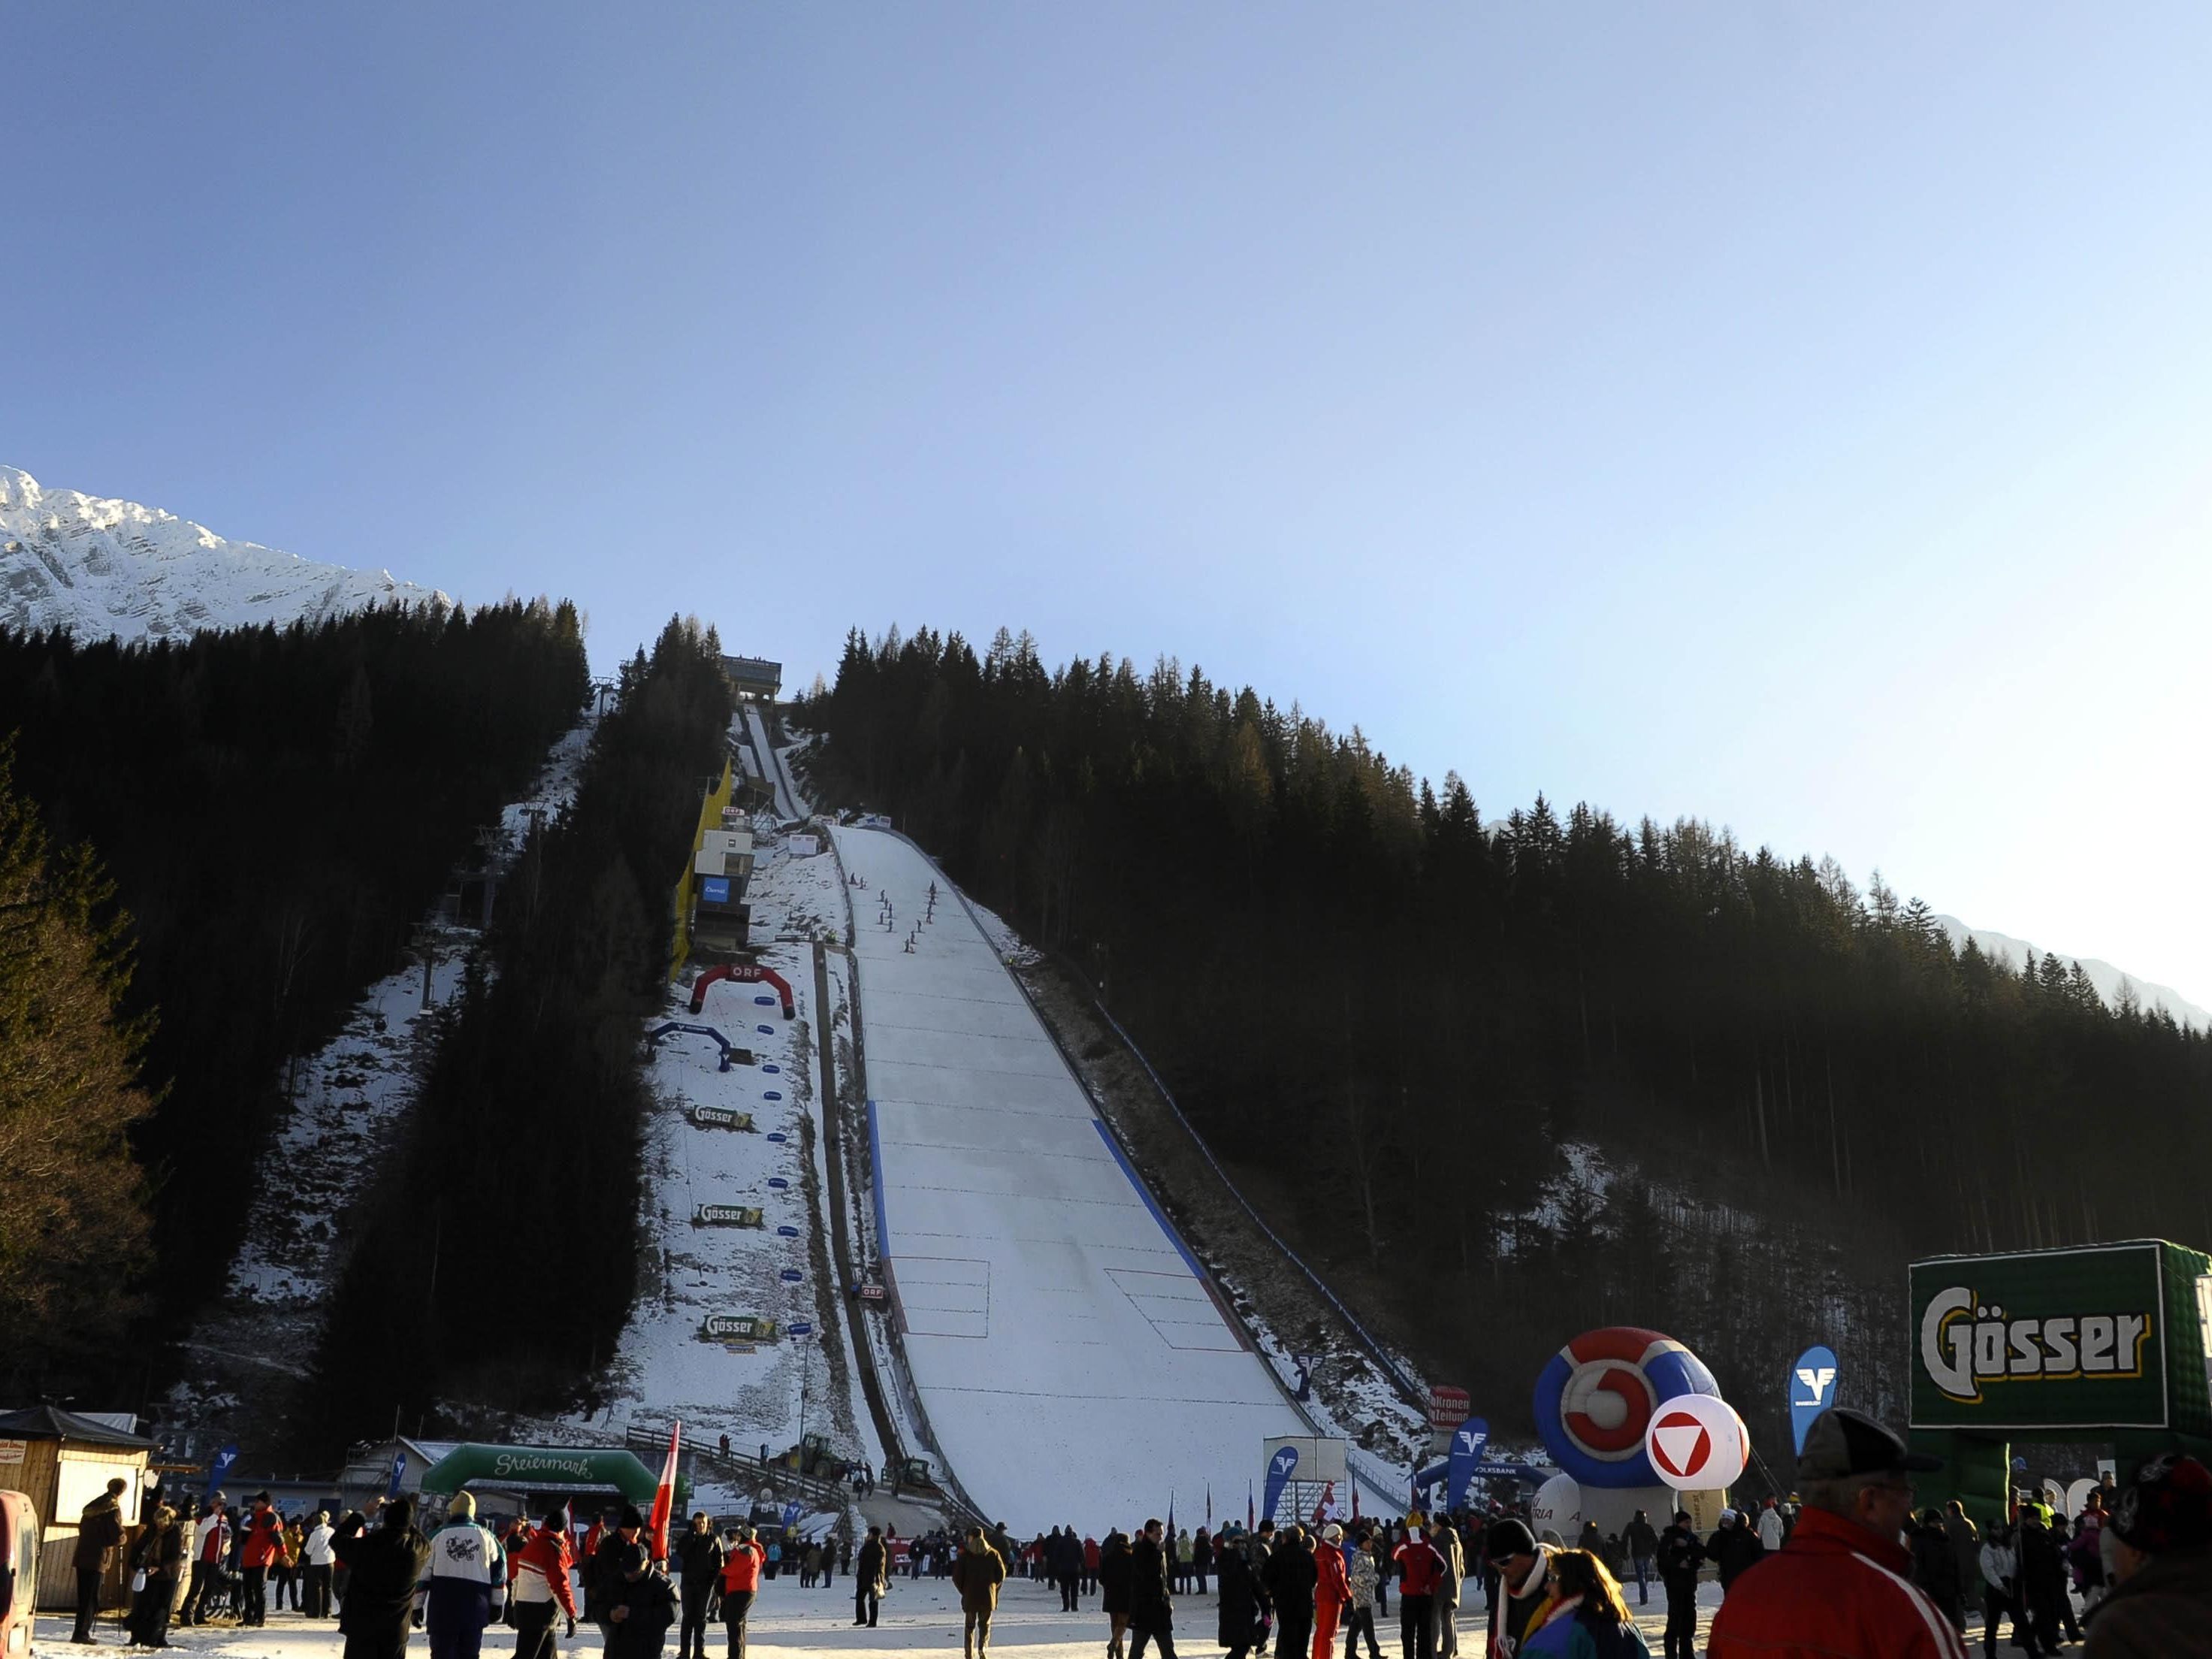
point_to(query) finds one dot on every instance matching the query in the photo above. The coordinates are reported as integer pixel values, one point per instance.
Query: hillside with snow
(99, 568)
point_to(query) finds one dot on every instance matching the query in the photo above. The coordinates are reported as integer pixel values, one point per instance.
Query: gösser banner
(2052, 1339)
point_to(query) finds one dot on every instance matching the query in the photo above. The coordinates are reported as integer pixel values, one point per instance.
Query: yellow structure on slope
(710, 818)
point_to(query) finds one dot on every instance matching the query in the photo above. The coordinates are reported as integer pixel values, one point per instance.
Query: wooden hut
(62, 1461)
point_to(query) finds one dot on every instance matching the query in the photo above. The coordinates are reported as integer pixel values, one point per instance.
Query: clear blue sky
(1794, 415)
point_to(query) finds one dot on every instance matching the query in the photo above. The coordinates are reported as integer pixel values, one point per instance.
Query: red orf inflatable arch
(744, 973)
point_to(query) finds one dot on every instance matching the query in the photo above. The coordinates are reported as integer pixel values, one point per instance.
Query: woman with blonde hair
(1586, 1617)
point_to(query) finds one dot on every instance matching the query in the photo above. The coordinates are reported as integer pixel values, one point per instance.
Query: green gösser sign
(2108, 1336)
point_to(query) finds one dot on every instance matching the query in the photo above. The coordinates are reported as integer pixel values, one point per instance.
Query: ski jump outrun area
(1072, 1364)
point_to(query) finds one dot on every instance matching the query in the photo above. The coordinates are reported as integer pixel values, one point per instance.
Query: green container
(2046, 1342)
(2107, 1343)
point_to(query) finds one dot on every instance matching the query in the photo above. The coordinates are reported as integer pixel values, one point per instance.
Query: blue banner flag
(791, 1515)
(220, 1467)
(1812, 1390)
(1467, 1442)
(1279, 1476)
(399, 1468)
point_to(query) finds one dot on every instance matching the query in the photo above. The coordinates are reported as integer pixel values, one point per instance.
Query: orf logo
(1595, 1398)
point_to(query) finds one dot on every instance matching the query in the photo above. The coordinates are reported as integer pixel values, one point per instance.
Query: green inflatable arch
(543, 1468)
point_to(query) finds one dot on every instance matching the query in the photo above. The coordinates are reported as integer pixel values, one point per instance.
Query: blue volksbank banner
(1812, 1390)
(1467, 1442)
(1279, 1476)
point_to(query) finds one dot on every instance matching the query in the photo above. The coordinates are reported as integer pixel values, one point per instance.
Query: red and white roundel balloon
(1697, 1443)
(1595, 1398)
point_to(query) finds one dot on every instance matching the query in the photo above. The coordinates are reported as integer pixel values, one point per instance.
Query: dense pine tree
(501, 1253)
(277, 809)
(1389, 1016)
(73, 1224)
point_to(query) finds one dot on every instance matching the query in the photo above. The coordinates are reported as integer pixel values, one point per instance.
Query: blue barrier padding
(1159, 1215)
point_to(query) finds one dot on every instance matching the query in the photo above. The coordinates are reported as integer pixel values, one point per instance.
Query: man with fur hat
(642, 1607)
(2161, 1532)
(603, 1571)
(1840, 1588)
(463, 1585)
(383, 1566)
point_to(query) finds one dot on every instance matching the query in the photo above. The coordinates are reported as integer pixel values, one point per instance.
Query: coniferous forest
(1407, 1022)
(501, 1251)
(273, 810)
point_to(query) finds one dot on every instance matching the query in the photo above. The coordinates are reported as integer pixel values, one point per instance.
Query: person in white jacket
(464, 1584)
(315, 1569)
(1769, 1527)
(210, 1544)
(2000, 1581)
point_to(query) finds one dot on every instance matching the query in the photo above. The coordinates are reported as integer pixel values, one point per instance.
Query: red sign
(1697, 1443)
(1681, 1446)
(1448, 1407)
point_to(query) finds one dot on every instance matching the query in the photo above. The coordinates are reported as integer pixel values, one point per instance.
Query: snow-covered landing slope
(1074, 1367)
(100, 567)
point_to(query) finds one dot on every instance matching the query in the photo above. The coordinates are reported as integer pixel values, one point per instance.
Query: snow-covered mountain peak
(2108, 980)
(98, 567)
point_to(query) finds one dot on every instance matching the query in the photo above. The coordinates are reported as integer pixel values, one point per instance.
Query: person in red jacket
(539, 1585)
(741, 1576)
(1332, 1593)
(1420, 1569)
(1840, 1588)
(264, 1542)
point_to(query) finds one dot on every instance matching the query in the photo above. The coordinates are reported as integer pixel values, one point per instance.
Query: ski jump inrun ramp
(1074, 1366)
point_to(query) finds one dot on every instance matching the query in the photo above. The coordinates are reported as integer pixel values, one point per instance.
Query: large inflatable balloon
(1595, 1399)
(1557, 1508)
(1698, 1443)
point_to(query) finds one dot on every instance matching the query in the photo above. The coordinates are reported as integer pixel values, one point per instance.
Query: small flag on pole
(1209, 1506)
(1248, 1506)
(663, 1496)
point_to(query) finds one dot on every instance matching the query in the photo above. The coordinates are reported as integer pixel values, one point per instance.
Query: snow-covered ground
(1073, 1364)
(770, 1391)
(919, 1616)
(100, 567)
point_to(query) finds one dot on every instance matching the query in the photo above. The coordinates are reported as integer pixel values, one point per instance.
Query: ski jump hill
(1068, 1349)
